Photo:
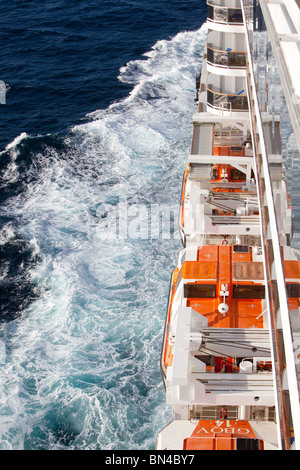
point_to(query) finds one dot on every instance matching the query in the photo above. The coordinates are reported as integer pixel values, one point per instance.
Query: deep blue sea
(94, 138)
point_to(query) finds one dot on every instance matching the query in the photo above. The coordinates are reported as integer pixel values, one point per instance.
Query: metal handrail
(231, 52)
(226, 94)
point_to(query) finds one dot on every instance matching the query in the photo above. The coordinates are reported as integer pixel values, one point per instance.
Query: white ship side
(231, 346)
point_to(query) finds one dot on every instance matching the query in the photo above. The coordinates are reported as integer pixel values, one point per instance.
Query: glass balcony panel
(226, 58)
(220, 58)
(235, 15)
(227, 102)
(237, 59)
(220, 15)
(224, 15)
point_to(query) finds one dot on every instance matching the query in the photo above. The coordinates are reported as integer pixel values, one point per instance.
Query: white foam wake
(82, 365)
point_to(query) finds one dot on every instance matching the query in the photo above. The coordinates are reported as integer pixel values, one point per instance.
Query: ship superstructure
(229, 358)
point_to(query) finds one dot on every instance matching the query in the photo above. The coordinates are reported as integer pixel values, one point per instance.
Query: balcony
(227, 102)
(226, 58)
(225, 15)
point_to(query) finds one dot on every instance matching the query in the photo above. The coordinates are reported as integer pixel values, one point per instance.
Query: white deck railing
(279, 319)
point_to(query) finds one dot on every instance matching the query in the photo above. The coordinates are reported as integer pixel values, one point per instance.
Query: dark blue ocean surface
(60, 59)
(94, 138)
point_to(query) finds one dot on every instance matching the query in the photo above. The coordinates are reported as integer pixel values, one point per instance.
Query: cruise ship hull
(222, 369)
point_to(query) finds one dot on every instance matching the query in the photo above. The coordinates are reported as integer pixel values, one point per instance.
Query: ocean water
(94, 138)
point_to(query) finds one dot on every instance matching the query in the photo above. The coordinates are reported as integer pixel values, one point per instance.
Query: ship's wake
(80, 355)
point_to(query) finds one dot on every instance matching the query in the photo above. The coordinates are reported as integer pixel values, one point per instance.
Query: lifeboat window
(179, 279)
(293, 290)
(247, 444)
(240, 249)
(197, 291)
(237, 175)
(248, 292)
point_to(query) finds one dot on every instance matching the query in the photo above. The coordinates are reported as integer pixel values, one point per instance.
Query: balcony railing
(227, 102)
(224, 15)
(226, 58)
